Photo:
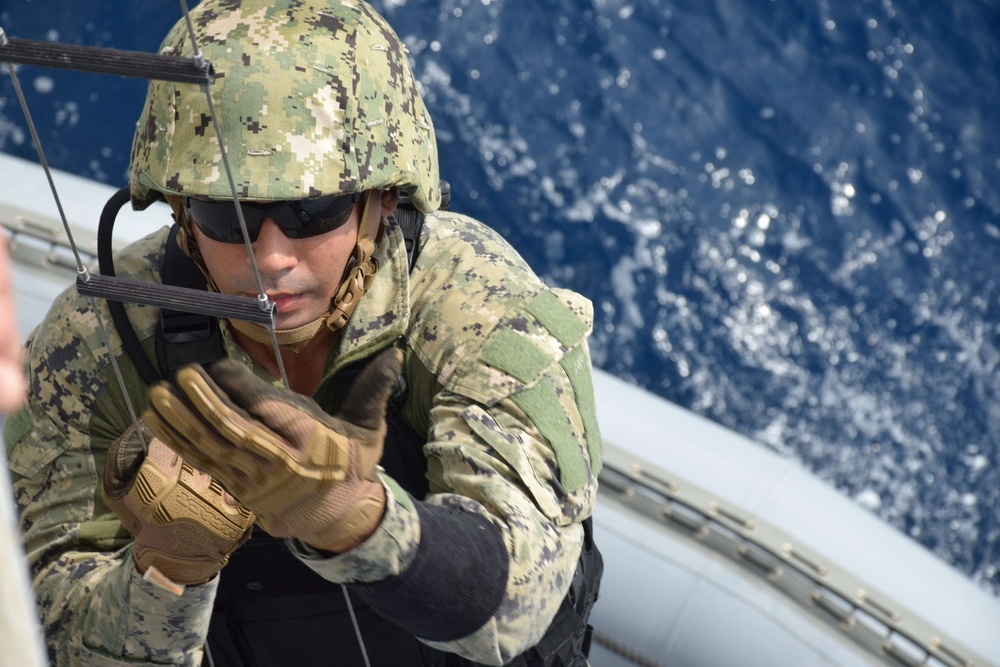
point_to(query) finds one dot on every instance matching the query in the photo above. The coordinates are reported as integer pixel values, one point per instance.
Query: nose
(274, 252)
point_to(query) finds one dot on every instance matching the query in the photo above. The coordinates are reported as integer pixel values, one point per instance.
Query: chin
(296, 322)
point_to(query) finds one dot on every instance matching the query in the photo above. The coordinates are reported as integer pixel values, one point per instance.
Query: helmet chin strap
(358, 276)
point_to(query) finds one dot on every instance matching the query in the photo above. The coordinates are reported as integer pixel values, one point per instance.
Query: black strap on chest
(182, 338)
(411, 221)
(126, 333)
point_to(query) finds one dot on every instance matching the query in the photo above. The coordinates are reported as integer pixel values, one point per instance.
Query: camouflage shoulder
(481, 319)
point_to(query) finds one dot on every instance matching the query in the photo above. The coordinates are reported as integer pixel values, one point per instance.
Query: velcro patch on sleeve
(554, 315)
(578, 370)
(542, 405)
(516, 355)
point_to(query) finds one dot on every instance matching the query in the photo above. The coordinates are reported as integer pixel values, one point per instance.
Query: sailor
(419, 493)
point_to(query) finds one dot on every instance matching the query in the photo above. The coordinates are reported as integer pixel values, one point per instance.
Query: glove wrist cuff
(356, 526)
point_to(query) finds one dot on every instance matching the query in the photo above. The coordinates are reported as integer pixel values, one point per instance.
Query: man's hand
(306, 474)
(182, 522)
(12, 384)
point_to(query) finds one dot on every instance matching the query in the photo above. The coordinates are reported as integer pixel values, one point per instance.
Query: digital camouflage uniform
(499, 378)
(496, 364)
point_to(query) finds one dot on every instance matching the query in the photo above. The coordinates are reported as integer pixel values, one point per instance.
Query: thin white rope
(357, 627)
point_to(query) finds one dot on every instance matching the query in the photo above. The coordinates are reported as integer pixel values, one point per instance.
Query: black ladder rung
(177, 298)
(105, 61)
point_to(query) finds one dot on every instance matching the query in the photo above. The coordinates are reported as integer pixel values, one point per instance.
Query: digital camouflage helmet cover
(314, 97)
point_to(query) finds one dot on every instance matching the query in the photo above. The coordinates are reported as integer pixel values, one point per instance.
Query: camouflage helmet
(314, 97)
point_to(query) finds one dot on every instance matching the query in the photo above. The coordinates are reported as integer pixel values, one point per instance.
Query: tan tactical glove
(306, 474)
(182, 522)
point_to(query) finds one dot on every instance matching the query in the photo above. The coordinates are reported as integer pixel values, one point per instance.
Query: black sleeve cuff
(455, 583)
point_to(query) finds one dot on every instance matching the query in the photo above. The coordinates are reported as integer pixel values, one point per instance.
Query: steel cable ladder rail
(136, 64)
(873, 621)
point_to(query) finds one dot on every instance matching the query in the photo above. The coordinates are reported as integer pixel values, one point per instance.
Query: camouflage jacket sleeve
(95, 607)
(500, 380)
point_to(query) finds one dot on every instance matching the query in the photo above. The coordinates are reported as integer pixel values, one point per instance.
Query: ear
(390, 198)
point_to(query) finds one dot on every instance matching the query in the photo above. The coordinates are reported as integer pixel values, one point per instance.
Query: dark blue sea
(786, 213)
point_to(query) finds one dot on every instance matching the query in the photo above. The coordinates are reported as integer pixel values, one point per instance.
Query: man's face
(300, 276)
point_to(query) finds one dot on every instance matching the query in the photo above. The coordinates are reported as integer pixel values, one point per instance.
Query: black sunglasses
(296, 219)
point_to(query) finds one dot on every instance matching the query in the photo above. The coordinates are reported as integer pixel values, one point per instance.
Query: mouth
(284, 302)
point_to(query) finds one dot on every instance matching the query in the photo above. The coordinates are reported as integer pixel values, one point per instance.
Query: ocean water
(785, 213)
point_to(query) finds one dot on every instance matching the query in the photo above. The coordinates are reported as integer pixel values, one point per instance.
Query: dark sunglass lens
(300, 219)
(319, 216)
(325, 207)
(319, 226)
(219, 222)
